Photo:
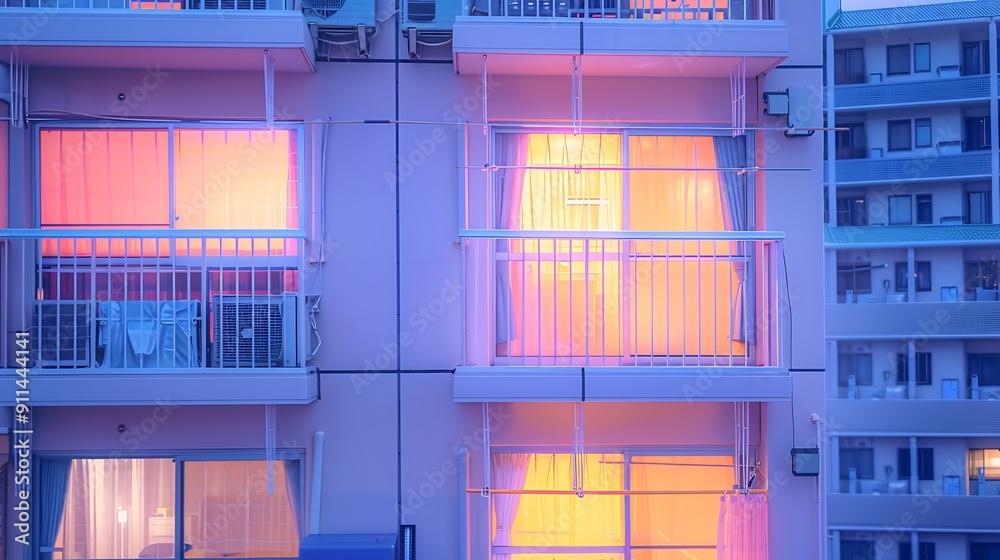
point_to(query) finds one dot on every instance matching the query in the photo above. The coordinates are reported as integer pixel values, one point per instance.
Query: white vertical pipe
(317, 483)
(464, 552)
(994, 125)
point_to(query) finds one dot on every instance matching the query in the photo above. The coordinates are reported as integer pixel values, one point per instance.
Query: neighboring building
(913, 321)
(446, 267)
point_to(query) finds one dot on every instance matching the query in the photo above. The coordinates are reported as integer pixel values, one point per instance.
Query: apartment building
(912, 243)
(508, 280)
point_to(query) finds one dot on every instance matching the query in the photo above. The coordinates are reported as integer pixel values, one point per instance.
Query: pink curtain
(743, 527)
(509, 472)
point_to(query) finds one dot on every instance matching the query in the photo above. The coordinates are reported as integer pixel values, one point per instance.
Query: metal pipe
(620, 235)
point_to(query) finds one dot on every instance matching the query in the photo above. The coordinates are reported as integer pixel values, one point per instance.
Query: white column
(914, 479)
(834, 468)
(911, 369)
(914, 546)
(831, 135)
(911, 281)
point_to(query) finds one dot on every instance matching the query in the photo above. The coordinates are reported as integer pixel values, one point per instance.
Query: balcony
(914, 417)
(140, 316)
(932, 166)
(867, 512)
(677, 38)
(622, 316)
(156, 35)
(966, 235)
(930, 92)
(917, 320)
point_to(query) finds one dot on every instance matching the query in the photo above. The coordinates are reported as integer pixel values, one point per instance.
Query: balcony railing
(879, 320)
(930, 166)
(678, 10)
(563, 298)
(942, 90)
(165, 300)
(153, 5)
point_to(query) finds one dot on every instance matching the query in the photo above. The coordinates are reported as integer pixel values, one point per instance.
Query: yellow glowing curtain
(609, 298)
(120, 179)
(547, 522)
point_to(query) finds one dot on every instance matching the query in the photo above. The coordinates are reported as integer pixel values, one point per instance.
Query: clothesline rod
(550, 127)
(616, 168)
(615, 492)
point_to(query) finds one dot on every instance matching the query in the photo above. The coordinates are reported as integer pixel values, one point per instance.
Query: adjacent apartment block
(912, 316)
(511, 280)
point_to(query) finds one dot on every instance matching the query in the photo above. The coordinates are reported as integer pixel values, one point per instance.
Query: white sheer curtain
(511, 155)
(743, 527)
(730, 152)
(509, 472)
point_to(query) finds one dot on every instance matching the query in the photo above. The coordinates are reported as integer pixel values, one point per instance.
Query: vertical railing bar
(652, 304)
(698, 317)
(586, 301)
(715, 299)
(684, 302)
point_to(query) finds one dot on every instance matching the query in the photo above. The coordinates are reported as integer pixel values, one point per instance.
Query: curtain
(730, 152)
(742, 527)
(511, 150)
(682, 302)
(53, 480)
(293, 486)
(509, 472)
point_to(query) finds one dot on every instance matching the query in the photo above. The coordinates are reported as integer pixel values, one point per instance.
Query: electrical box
(357, 546)
(805, 461)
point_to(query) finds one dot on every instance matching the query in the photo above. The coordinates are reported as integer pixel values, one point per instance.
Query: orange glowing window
(151, 179)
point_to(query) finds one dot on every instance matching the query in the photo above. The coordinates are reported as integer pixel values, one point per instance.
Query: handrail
(623, 235)
(81, 233)
(487, 491)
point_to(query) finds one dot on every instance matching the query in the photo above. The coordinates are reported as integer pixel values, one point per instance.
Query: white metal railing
(549, 298)
(157, 299)
(674, 10)
(153, 5)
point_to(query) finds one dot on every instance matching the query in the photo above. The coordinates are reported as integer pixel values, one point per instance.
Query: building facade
(535, 279)
(912, 242)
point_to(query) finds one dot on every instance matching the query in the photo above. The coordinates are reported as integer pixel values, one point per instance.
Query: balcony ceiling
(617, 47)
(185, 40)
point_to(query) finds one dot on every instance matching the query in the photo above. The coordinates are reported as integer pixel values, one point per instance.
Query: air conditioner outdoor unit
(437, 15)
(338, 23)
(62, 334)
(254, 331)
(989, 394)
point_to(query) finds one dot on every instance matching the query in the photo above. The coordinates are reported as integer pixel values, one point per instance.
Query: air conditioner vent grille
(253, 331)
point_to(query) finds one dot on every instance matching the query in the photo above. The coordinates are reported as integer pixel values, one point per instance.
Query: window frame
(976, 359)
(919, 69)
(983, 270)
(925, 463)
(923, 367)
(847, 365)
(296, 130)
(985, 213)
(925, 209)
(628, 452)
(897, 48)
(852, 269)
(925, 551)
(895, 200)
(849, 75)
(843, 468)
(179, 458)
(923, 123)
(889, 135)
(922, 272)
(976, 135)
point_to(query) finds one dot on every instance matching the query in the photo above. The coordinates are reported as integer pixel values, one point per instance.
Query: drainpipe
(464, 552)
(994, 127)
(317, 483)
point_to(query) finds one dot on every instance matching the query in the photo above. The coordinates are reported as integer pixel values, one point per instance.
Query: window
(605, 523)
(984, 551)
(900, 210)
(851, 211)
(925, 551)
(632, 293)
(922, 57)
(923, 368)
(897, 59)
(899, 135)
(978, 207)
(227, 507)
(925, 463)
(925, 209)
(922, 133)
(849, 66)
(856, 277)
(986, 459)
(922, 272)
(975, 58)
(862, 460)
(857, 365)
(852, 143)
(986, 367)
(981, 274)
(976, 133)
(857, 550)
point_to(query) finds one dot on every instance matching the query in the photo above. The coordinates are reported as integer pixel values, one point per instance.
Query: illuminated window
(126, 508)
(619, 297)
